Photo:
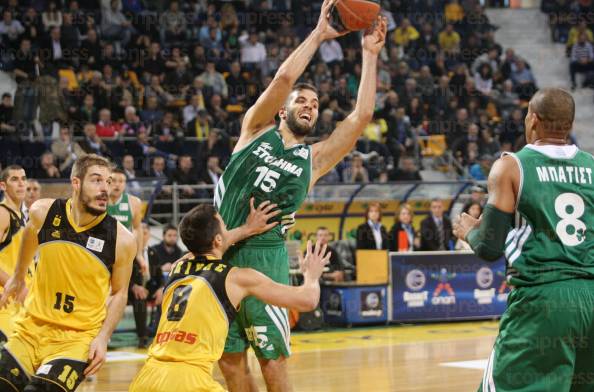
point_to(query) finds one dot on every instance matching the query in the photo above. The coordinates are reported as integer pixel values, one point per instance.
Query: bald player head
(550, 116)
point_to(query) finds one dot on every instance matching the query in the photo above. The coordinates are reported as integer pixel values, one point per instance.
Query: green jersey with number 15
(554, 235)
(266, 170)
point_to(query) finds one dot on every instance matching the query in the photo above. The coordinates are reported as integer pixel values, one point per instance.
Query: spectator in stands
(454, 13)
(253, 52)
(475, 210)
(356, 172)
(105, 127)
(10, 30)
(69, 33)
(582, 58)
(52, 17)
(91, 46)
(92, 143)
(449, 40)
(31, 22)
(402, 235)
(488, 144)
(155, 88)
(152, 114)
(372, 234)
(483, 79)
(165, 253)
(513, 128)
(407, 171)
(66, 151)
(7, 128)
(185, 175)
(214, 80)
(399, 138)
(524, 81)
(334, 271)
(405, 35)
(237, 84)
(331, 52)
(154, 64)
(56, 54)
(575, 32)
(480, 170)
(138, 293)
(508, 99)
(114, 24)
(132, 124)
(213, 171)
(173, 24)
(25, 99)
(436, 229)
(47, 167)
(32, 194)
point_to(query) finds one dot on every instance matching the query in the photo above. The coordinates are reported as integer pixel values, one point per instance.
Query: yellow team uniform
(9, 252)
(192, 330)
(67, 304)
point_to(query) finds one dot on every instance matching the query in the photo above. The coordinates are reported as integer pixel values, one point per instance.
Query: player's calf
(12, 375)
(58, 375)
(275, 374)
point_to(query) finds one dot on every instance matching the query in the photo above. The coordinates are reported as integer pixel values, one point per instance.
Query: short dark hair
(304, 86)
(199, 227)
(4, 174)
(555, 108)
(118, 170)
(84, 162)
(6, 95)
(168, 227)
(321, 228)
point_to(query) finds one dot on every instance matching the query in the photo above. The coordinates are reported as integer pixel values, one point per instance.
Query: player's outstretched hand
(324, 28)
(14, 288)
(463, 225)
(375, 37)
(257, 220)
(97, 355)
(314, 262)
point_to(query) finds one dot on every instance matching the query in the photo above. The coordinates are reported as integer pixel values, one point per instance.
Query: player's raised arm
(15, 286)
(120, 279)
(328, 153)
(486, 236)
(136, 205)
(244, 282)
(262, 113)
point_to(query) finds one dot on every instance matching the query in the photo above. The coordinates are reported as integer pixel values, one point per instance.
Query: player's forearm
(3, 278)
(27, 251)
(138, 237)
(115, 311)
(367, 89)
(294, 65)
(239, 234)
(310, 293)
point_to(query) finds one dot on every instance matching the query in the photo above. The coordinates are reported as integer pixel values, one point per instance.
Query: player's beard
(86, 203)
(294, 125)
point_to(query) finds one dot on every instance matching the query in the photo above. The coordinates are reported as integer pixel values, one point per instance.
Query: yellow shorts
(8, 318)
(158, 376)
(35, 343)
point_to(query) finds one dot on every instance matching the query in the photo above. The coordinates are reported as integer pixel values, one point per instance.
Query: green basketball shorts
(264, 327)
(545, 341)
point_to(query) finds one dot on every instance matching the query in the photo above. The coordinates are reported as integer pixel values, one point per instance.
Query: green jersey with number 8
(554, 235)
(266, 170)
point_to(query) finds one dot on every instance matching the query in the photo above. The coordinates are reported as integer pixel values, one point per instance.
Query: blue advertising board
(434, 286)
(354, 304)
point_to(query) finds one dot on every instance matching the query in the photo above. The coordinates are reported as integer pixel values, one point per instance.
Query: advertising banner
(432, 286)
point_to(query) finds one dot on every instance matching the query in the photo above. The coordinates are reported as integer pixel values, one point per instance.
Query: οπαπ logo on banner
(371, 303)
(443, 287)
(415, 281)
(334, 304)
(484, 280)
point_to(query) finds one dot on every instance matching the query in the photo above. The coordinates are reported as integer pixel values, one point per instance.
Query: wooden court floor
(434, 357)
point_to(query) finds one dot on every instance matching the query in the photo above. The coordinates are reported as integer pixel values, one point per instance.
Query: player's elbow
(308, 304)
(488, 253)
(363, 116)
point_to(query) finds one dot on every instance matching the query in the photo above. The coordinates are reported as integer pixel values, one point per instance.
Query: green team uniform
(265, 170)
(546, 335)
(122, 211)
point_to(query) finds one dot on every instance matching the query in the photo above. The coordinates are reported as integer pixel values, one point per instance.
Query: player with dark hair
(80, 287)
(273, 163)
(201, 299)
(12, 182)
(546, 335)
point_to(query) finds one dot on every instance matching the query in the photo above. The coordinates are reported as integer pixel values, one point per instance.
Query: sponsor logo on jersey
(178, 336)
(95, 244)
(57, 220)
(44, 369)
(415, 281)
(56, 234)
(302, 152)
(124, 207)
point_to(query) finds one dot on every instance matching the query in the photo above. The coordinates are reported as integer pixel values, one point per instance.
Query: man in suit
(436, 229)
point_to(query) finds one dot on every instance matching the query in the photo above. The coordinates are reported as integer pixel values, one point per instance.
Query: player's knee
(58, 375)
(12, 376)
(274, 366)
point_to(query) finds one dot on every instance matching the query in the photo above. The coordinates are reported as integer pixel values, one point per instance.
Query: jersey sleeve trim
(521, 187)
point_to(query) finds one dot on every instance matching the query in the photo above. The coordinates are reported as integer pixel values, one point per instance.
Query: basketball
(354, 15)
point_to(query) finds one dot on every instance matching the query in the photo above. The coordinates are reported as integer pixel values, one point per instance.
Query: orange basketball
(355, 15)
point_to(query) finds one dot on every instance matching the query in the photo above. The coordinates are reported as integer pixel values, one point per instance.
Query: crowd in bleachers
(164, 85)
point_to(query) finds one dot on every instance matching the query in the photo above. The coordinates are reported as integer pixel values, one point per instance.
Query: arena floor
(444, 357)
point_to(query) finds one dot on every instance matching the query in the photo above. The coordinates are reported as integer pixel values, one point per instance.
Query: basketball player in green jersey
(127, 209)
(546, 335)
(272, 162)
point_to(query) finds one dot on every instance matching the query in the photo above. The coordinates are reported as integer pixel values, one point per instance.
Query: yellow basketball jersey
(9, 248)
(196, 314)
(73, 277)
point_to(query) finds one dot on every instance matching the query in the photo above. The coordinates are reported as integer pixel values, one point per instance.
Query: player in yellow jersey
(201, 299)
(13, 182)
(79, 290)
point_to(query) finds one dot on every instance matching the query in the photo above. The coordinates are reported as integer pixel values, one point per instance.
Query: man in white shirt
(253, 52)
(331, 51)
